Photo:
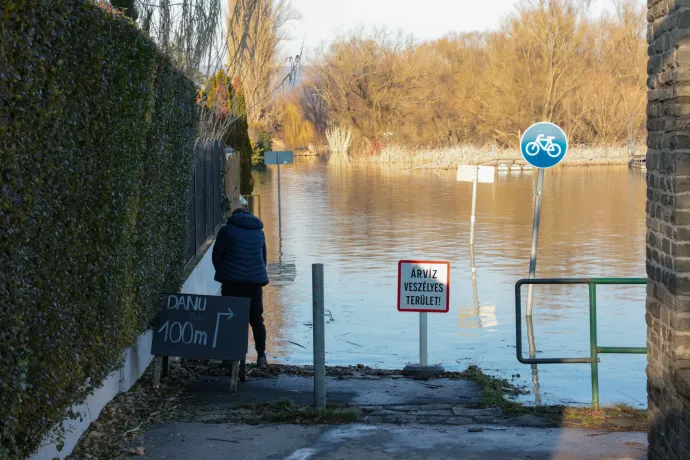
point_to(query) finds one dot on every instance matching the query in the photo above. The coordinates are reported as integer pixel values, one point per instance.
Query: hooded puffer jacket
(239, 254)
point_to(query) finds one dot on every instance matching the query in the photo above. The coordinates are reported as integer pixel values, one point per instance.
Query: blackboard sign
(201, 326)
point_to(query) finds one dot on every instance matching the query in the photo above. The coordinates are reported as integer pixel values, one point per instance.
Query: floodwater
(360, 221)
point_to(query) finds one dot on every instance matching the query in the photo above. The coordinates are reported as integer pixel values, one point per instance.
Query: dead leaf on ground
(138, 451)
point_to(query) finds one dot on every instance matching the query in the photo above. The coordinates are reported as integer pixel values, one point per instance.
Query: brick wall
(668, 229)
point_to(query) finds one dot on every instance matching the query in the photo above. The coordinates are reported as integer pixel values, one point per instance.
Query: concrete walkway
(360, 441)
(214, 391)
(400, 418)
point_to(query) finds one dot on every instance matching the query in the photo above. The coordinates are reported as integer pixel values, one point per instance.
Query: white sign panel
(467, 173)
(423, 286)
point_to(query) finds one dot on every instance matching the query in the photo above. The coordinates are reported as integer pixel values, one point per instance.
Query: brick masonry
(668, 228)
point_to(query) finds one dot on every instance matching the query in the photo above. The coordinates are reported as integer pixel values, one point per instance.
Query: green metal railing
(595, 349)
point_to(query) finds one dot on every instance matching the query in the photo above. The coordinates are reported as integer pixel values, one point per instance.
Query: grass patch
(287, 411)
(615, 418)
(331, 416)
(496, 391)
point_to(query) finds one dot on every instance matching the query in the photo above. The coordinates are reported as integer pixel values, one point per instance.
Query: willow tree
(297, 131)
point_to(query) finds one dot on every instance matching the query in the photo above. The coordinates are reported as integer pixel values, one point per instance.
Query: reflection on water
(476, 316)
(360, 221)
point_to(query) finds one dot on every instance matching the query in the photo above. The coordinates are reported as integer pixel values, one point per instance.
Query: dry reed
(339, 140)
(450, 157)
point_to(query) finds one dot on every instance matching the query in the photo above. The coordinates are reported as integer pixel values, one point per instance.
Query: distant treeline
(551, 60)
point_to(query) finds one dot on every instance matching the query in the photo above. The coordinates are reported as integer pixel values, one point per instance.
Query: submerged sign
(423, 286)
(482, 174)
(279, 157)
(201, 326)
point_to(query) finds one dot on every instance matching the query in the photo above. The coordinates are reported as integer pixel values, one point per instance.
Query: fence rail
(207, 190)
(595, 349)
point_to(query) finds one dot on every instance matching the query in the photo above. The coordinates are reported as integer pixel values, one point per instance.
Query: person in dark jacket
(239, 257)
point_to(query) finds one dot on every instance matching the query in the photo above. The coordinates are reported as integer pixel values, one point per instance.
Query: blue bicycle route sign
(543, 145)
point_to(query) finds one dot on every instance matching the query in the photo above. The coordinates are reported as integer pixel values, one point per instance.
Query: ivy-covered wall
(96, 143)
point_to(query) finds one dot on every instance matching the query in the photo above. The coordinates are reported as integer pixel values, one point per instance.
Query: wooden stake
(235, 375)
(157, 368)
(243, 371)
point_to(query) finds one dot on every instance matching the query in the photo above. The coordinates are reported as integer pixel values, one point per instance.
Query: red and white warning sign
(424, 286)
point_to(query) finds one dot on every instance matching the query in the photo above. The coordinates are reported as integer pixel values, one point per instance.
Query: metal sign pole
(423, 361)
(319, 337)
(535, 239)
(474, 203)
(532, 355)
(474, 279)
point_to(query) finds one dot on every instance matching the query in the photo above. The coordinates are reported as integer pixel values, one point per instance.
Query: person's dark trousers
(256, 310)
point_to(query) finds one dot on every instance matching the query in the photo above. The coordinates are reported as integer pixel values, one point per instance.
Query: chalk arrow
(228, 315)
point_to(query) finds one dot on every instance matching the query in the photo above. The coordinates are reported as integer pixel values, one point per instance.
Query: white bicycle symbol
(543, 143)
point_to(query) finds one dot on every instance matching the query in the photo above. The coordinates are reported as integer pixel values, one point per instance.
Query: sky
(322, 20)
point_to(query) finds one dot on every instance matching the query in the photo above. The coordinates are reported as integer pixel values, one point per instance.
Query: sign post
(423, 287)
(543, 145)
(535, 237)
(475, 174)
(200, 326)
(285, 157)
(285, 273)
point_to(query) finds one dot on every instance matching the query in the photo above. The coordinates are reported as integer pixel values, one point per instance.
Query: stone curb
(446, 414)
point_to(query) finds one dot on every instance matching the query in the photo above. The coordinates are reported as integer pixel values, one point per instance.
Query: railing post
(593, 343)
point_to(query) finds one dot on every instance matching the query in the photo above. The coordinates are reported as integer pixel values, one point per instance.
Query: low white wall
(201, 280)
(137, 359)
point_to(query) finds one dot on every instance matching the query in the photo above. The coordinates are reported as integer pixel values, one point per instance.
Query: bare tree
(314, 109)
(186, 30)
(259, 48)
(551, 60)
(369, 81)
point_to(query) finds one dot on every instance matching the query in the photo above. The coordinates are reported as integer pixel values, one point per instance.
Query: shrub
(96, 143)
(262, 143)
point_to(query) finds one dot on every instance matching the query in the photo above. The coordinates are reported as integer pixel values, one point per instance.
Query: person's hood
(246, 220)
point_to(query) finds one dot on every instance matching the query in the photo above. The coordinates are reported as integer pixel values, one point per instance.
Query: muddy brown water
(359, 221)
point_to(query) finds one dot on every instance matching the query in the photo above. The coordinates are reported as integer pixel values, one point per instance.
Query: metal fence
(207, 189)
(595, 349)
